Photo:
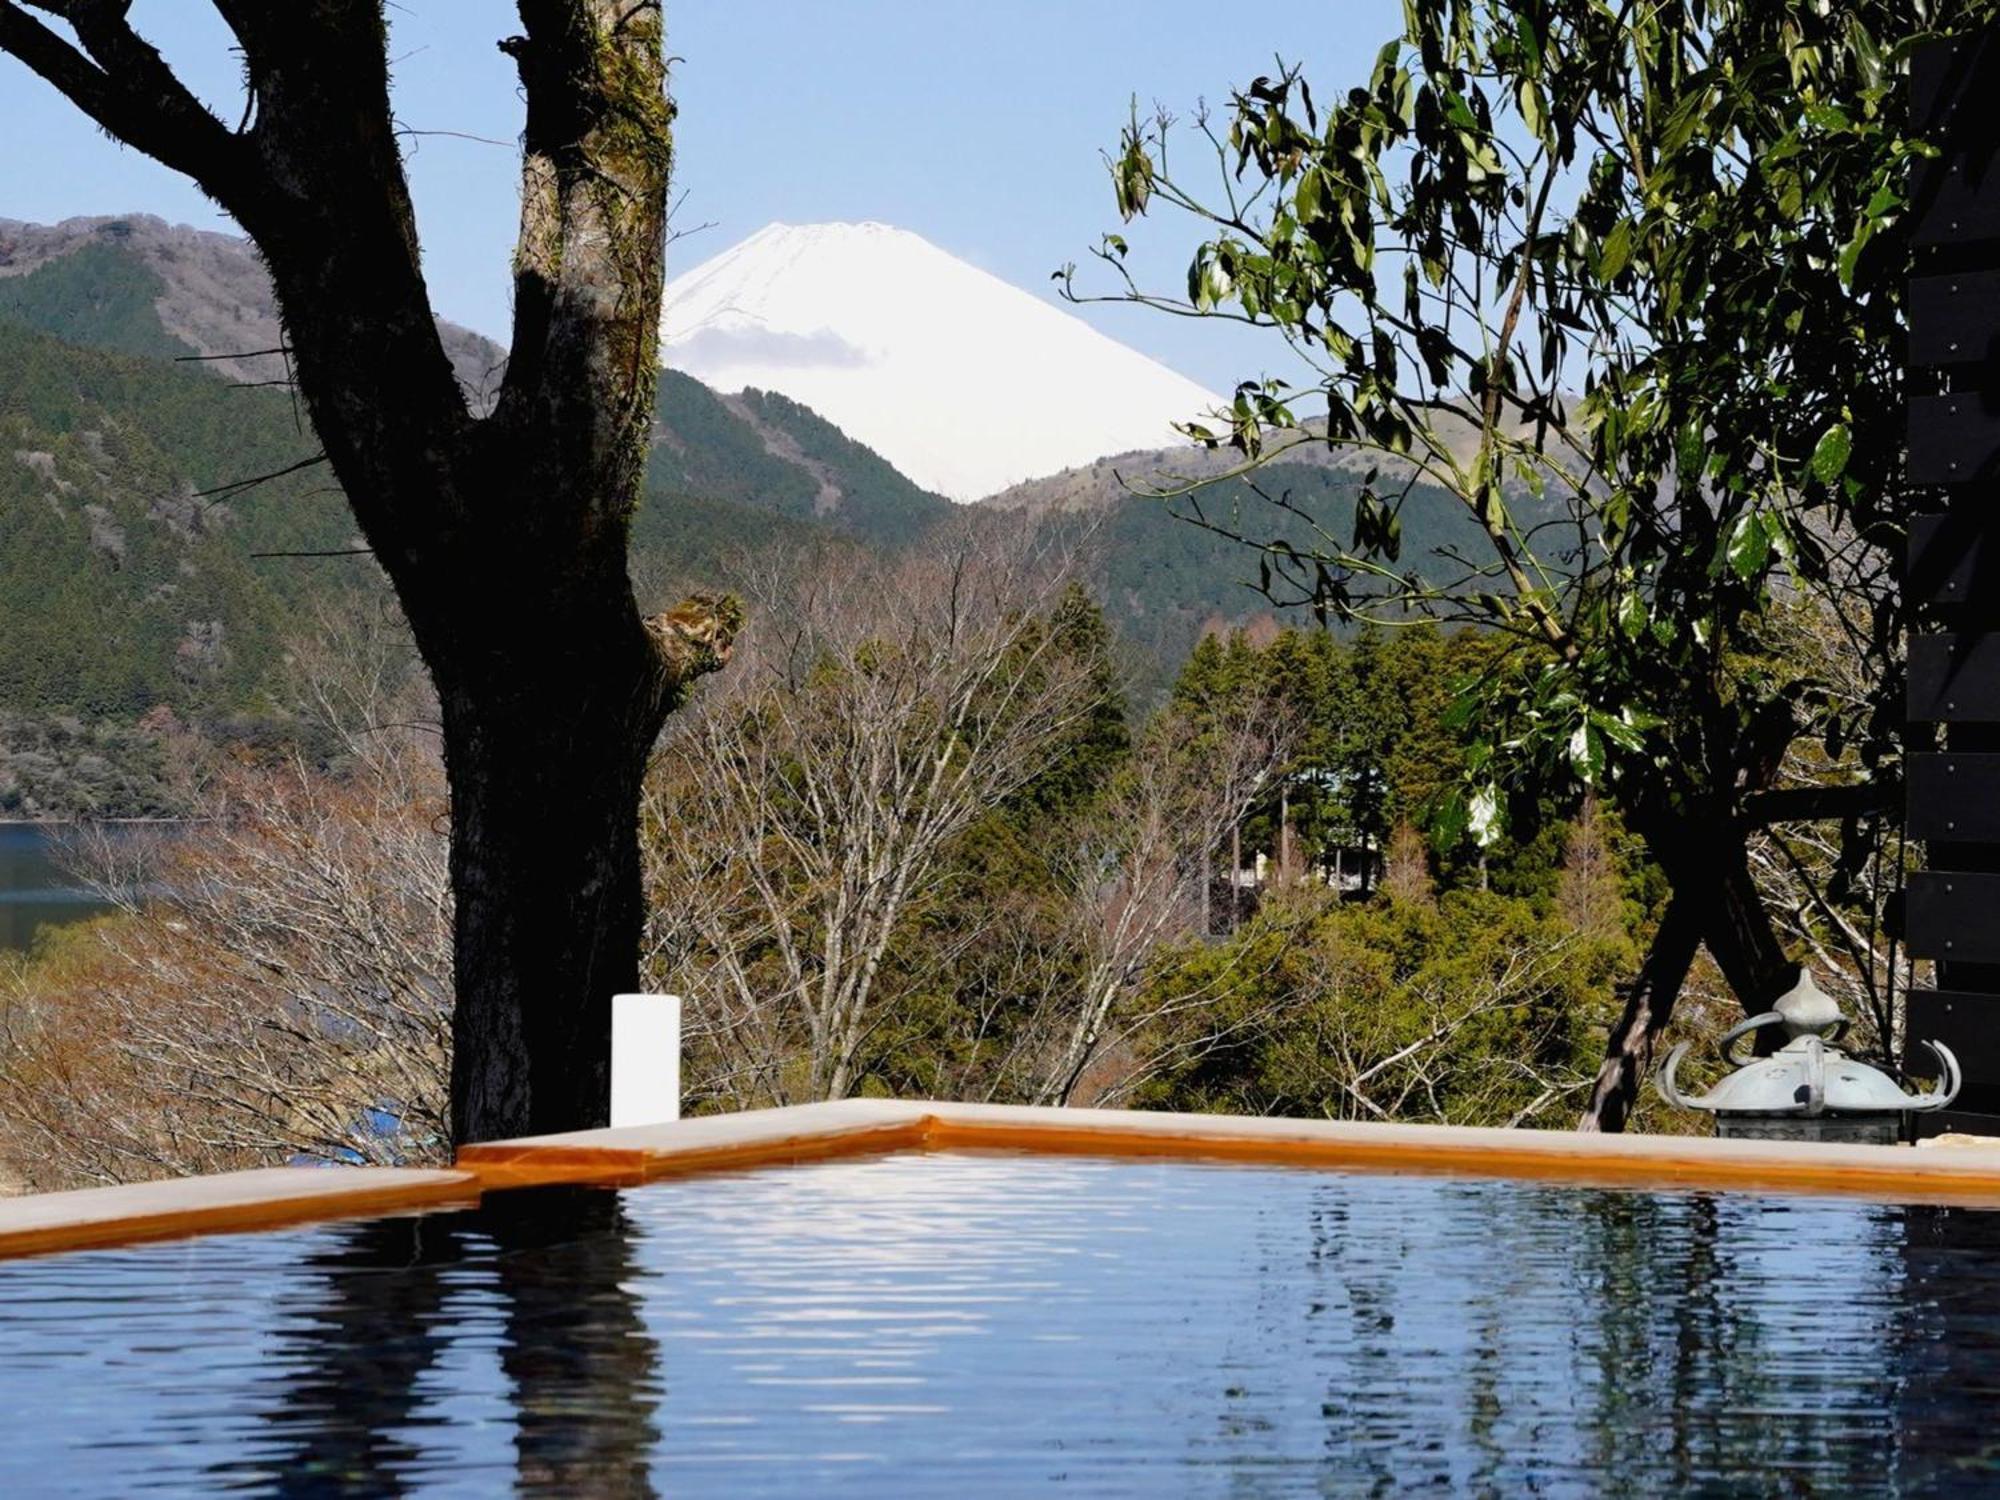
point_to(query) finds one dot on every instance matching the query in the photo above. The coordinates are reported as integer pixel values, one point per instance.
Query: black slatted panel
(1958, 200)
(1955, 439)
(1949, 561)
(1944, 74)
(1980, 1115)
(1968, 1023)
(1952, 91)
(1955, 318)
(1951, 911)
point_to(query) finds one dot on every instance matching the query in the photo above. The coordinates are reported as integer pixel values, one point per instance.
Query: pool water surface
(969, 1324)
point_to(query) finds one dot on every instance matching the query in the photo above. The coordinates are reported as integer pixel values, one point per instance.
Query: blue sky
(978, 125)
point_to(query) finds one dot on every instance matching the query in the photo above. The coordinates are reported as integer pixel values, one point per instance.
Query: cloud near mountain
(754, 348)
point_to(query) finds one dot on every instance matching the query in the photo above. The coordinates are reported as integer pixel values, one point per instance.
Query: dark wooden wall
(1952, 907)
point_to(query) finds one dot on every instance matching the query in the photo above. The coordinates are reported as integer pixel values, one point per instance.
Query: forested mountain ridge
(766, 452)
(141, 573)
(134, 284)
(140, 569)
(144, 580)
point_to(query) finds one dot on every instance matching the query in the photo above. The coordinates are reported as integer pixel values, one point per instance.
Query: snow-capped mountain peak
(964, 382)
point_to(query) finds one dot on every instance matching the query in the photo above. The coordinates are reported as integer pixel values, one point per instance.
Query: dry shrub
(275, 982)
(1406, 872)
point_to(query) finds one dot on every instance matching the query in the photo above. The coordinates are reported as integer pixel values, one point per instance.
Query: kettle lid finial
(1807, 1010)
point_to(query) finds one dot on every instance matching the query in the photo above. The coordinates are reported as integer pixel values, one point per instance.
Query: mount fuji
(965, 383)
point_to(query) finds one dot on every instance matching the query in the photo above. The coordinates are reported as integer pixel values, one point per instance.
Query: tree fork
(504, 535)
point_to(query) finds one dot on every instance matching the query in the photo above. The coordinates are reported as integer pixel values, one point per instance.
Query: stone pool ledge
(1969, 1174)
(264, 1199)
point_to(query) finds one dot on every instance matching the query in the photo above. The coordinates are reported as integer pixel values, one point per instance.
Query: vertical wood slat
(1954, 678)
(1948, 560)
(1953, 916)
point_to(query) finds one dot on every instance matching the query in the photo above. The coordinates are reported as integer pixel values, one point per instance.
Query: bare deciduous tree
(801, 812)
(1132, 877)
(276, 980)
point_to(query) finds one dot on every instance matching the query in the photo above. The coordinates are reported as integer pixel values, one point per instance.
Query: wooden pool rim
(1966, 1174)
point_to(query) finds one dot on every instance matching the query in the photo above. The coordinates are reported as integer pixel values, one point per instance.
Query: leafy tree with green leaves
(1625, 284)
(1470, 1009)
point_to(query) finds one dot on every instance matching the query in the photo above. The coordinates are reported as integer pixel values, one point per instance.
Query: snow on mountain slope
(965, 383)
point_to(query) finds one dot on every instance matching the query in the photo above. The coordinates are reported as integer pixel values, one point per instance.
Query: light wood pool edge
(1969, 1177)
(227, 1202)
(35, 1225)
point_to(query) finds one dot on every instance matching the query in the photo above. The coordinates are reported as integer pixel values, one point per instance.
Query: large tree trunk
(504, 534)
(545, 777)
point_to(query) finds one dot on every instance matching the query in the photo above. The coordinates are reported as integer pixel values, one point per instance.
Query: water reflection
(384, 1342)
(35, 889)
(1948, 1352)
(976, 1325)
(584, 1372)
(360, 1334)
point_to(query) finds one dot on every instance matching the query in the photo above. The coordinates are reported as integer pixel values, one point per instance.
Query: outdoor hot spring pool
(984, 1324)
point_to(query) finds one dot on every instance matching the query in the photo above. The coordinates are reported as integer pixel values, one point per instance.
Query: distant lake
(34, 888)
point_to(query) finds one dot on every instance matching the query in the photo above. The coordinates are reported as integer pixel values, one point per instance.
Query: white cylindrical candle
(645, 1059)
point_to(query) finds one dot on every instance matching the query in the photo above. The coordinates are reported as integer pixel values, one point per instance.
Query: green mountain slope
(127, 582)
(123, 585)
(1166, 580)
(772, 454)
(130, 581)
(98, 297)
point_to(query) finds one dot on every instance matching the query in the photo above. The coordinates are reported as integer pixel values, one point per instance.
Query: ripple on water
(984, 1324)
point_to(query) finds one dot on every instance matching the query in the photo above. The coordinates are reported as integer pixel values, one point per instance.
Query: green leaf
(1209, 281)
(1616, 730)
(1531, 44)
(1309, 201)
(1132, 178)
(1850, 254)
(1586, 754)
(1482, 816)
(1617, 251)
(1532, 114)
(1829, 459)
(1749, 545)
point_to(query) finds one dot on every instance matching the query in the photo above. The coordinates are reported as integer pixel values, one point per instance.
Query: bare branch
(126, 87)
